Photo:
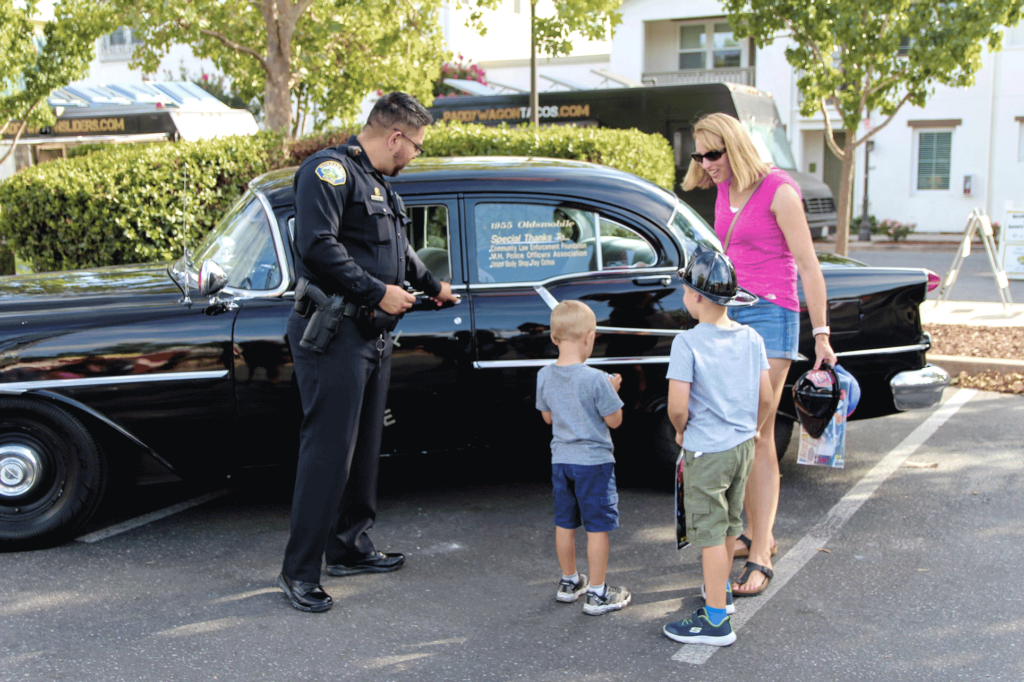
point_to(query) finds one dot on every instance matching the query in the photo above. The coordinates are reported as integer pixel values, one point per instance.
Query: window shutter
(933, 159)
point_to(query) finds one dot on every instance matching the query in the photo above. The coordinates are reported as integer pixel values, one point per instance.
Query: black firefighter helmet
(816, 397)
(711, 274)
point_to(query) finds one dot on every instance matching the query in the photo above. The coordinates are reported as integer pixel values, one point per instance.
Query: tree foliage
(551, 35)
(861, 56)
(34, 64)
(323, 56)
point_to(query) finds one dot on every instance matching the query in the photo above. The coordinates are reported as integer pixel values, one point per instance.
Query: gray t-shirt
(723, 366)
(579, 398)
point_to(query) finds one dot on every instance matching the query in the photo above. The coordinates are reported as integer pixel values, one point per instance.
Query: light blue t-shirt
(578, 397)
(723, 367)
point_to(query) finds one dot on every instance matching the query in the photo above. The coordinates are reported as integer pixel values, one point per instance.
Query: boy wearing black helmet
(719, 397)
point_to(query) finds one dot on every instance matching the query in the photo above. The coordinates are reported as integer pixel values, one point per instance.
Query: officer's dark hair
(399, 108)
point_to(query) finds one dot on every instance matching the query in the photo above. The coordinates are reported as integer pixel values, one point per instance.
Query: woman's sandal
(748, 568)
(744, 552)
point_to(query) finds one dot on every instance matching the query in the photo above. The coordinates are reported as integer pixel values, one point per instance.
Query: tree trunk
(845, 195)
(534, 96)
(280, 20)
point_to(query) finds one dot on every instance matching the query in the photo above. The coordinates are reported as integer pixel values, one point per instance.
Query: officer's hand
(396, 300)
(445, 295)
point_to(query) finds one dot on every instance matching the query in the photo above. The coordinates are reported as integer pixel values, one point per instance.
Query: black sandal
(744, 553)
(749, 568)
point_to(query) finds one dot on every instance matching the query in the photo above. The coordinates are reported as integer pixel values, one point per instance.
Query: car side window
(430, 237)
(622, 247)
(523, 242)
(242, 244)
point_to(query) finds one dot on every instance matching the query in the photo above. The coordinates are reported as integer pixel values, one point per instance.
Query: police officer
(350, 242)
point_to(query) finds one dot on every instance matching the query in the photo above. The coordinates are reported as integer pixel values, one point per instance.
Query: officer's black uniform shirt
(349, 228)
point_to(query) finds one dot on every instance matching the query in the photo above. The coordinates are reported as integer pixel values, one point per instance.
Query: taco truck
(670, 111)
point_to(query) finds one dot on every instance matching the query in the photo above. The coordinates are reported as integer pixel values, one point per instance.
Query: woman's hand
(823, 351)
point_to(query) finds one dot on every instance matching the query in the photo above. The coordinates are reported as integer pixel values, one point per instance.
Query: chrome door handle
(653, 280)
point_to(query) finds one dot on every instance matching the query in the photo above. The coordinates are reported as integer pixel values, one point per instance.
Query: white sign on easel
(1011, 243)
(977, 221)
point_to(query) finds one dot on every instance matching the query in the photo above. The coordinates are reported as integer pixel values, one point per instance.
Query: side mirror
(211, 278)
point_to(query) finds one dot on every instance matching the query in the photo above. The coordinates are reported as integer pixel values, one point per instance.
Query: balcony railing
(742, 75)
(115, 53)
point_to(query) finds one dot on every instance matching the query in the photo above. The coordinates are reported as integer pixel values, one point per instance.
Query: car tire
(783, 434)
(52, 474)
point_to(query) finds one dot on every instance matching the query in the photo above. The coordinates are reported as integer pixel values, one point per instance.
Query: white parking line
(819, 536)
(130, 524)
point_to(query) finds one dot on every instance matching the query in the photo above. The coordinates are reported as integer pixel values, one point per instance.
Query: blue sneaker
(697, 629)
(730, 608)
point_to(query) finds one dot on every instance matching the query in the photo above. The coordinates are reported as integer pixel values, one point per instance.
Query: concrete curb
(954, 364)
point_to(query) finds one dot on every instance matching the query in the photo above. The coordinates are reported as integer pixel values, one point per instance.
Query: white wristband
(821, 330)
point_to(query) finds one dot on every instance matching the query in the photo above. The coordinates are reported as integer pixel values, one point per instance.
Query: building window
(118, 46)
(933, 156)
(1020, 139)
(708, 45)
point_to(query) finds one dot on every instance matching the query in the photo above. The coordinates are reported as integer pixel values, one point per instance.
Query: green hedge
(123, 204)
(648, 156)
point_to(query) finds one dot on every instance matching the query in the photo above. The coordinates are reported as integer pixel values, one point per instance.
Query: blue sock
(716, 616)
(574, 578)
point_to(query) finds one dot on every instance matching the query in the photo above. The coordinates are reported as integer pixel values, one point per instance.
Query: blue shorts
(585, 493)
(779, 327)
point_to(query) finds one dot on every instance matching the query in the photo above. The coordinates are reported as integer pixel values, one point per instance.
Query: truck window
(772, 145)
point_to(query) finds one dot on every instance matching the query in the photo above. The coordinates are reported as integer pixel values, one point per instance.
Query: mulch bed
(1005, 343)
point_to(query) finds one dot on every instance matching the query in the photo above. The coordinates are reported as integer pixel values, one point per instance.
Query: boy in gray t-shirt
(719, 396)
(581, 403)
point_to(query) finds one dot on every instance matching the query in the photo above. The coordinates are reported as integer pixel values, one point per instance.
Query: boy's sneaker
(569, 592)
(730, 608)
(697, 629)
(614, 599)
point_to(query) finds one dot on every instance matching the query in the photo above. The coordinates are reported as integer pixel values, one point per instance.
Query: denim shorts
(585, 495)
(779, 327)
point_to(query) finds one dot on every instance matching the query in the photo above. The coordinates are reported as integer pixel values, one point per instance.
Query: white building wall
(504, 52)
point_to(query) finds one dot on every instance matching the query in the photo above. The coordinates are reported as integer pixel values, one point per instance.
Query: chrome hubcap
(20, 469)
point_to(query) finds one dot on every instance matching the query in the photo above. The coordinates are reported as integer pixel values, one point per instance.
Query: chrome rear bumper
(914, 389)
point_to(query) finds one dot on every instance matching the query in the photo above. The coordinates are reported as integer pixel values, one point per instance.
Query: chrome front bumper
(914, 389)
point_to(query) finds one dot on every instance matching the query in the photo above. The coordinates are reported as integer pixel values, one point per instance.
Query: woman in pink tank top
(759, 218)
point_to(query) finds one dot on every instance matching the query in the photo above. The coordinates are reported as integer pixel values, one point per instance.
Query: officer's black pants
(343, 393)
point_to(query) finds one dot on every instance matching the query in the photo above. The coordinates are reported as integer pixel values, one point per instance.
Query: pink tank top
(758, 249)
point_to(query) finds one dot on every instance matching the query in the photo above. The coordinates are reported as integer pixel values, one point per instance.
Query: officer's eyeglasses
(419, 149)
(713, 155)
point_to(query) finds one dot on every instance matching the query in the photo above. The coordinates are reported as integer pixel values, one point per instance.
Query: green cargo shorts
(713, 486)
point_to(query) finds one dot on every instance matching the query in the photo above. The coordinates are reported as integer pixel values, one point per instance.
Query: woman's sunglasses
(714, 155)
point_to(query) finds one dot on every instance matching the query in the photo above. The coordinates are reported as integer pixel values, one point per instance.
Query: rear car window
(525, 242)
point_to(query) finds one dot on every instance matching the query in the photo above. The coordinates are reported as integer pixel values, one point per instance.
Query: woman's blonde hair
(744, 161)
(571, 320)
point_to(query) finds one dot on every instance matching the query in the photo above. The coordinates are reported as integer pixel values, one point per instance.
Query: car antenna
(186, 257)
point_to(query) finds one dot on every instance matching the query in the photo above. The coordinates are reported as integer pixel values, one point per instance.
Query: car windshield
(691, 230)
(772, 145)
(242, 243)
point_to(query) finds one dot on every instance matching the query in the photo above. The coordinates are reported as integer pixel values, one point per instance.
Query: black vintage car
(117, 370)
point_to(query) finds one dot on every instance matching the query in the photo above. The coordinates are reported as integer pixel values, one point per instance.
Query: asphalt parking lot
(891, 568)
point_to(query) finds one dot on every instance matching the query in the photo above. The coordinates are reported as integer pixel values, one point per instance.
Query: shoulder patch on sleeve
(331, 172)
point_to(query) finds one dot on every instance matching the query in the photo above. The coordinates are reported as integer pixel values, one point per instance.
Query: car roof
(517, 174)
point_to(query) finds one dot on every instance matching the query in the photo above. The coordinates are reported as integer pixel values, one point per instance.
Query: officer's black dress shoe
(375, 562)
(305, 596)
